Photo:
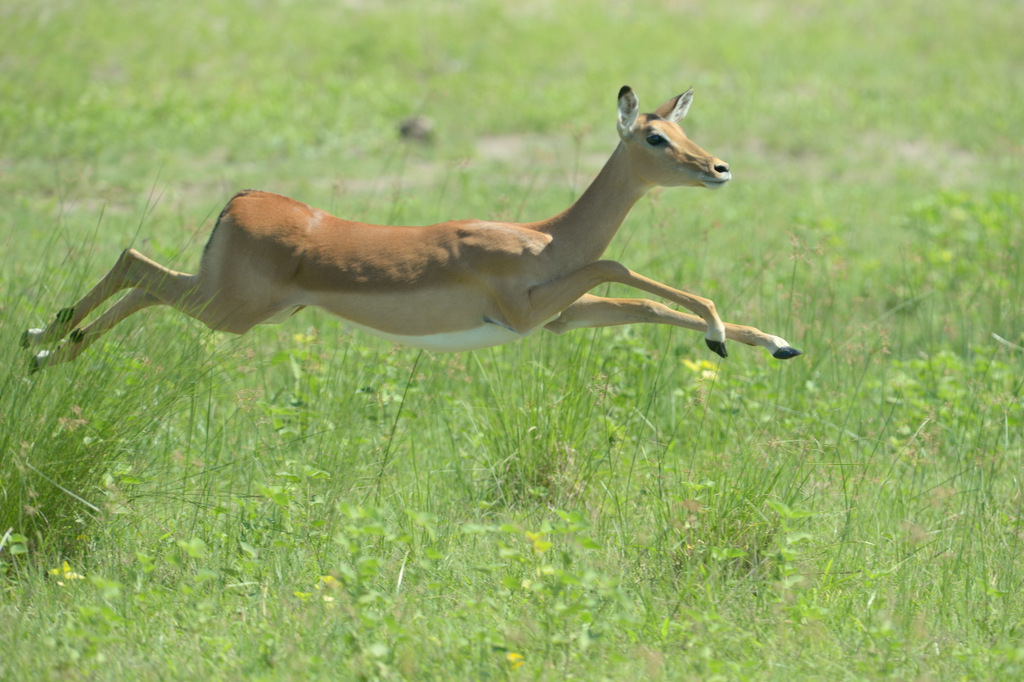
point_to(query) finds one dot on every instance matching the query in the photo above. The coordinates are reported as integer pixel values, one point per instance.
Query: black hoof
(65, 315)
(77, 335)
(718, 347)
(786, 353)
(35, 364)
(24, 339)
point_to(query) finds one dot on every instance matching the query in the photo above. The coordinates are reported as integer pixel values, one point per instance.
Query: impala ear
(675, 109)
(629, 106)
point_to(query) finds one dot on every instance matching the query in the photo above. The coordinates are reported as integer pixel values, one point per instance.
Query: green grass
(307, 502)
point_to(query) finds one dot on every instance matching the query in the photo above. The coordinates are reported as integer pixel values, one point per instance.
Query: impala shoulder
(499, 237)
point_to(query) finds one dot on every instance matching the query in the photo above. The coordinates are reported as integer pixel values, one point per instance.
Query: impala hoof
(38, 361)
(31, 337)
(718, 347)
(65, 315)
(786, 353)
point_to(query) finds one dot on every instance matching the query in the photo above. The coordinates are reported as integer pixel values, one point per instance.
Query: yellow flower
(706, 368)
(64, 571)
(328, 581)
(514, 660)
(540, 545)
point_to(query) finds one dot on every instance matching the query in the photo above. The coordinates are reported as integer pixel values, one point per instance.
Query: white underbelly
(484, 336)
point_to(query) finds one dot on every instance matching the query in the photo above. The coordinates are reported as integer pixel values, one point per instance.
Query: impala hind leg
(80, 339)
(594, 311)
(152, 283)
(131, 270)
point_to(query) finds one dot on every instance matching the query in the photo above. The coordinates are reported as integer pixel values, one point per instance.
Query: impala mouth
(717, 181)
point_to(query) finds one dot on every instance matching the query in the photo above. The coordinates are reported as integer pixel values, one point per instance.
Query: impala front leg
(548, 300)
(594, 311)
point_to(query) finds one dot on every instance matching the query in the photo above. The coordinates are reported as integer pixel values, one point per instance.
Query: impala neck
(586, 228)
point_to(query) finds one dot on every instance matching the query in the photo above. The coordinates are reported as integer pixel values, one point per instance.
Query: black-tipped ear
(675, 109)
(629, 107)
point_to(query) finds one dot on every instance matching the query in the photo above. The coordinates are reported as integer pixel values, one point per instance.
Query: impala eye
(654, 139)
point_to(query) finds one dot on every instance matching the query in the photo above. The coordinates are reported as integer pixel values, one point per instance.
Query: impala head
(660, 151)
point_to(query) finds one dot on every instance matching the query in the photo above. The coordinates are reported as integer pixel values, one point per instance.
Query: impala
(457, 285)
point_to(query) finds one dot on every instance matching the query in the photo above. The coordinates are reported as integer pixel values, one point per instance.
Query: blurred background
(309, 501)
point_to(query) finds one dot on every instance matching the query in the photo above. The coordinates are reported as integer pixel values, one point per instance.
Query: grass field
(307, 502)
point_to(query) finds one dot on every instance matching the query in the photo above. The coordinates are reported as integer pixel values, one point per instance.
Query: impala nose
(720, 176)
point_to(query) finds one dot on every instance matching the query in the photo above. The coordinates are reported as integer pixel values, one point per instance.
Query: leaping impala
(453, 286)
